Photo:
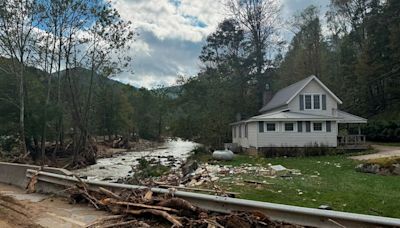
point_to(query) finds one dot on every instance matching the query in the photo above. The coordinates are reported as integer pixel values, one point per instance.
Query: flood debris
(193, 176)
(144, 208)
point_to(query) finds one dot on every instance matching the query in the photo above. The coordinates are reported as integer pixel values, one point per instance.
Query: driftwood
(178, 203)
(109, 193)
(101, 221)
(144, 208)
(131, 223)
(148, 196)
(194, 189)
(156, 212)
(30, 187)
(109, 201)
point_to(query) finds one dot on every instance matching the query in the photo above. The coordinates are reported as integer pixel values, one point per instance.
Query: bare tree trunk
(22, 110)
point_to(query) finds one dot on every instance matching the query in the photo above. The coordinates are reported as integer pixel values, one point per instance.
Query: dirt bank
(21, 210)
(14, 214)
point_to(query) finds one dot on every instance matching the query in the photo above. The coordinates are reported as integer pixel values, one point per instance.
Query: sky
(171, 34)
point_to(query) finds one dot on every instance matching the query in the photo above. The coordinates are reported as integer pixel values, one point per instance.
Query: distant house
(300, 115)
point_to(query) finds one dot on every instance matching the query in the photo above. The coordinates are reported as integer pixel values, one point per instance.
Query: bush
(311, 150)
(385, 131)
(147, 169)
(8, 143)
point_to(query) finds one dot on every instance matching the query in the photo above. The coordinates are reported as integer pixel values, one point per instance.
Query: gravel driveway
(383, 151)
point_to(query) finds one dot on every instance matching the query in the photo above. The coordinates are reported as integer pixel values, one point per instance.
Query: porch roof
(346, 117)
(342, 117)
(287, 116)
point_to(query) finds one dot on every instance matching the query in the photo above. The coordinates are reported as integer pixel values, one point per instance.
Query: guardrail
(55, 183)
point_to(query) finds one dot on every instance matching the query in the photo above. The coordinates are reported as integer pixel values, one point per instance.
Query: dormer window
(312, 101)
(317, 101)
(307, 101)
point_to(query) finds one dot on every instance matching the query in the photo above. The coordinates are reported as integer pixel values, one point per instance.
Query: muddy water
(172, 152)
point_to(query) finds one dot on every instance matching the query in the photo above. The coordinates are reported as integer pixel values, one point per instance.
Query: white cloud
(168, 20)
(172, 32)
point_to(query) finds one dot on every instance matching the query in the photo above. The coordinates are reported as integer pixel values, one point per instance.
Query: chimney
(238, 116)
(267, 94)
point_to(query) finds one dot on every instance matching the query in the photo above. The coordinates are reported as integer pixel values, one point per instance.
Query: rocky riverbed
(172, 153)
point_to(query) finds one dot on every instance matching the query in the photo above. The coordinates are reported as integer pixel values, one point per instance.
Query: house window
(260, 126)
(289, 127)
(308, 127)
(234, 131)
(316, 101)
(270, 126)
(299, 126)
(307, 101)
(240, 131)
(328, 126)
(317, 126)
(311, 101)
(245, 130)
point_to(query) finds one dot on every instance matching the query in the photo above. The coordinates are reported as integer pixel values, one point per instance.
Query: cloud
(172, 32)
(159, 61)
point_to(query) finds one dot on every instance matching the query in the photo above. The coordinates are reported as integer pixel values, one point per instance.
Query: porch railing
(351, 140)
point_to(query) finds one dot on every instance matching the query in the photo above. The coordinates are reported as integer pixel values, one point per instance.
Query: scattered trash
(193, 176)
(279, 170)
(325, 207)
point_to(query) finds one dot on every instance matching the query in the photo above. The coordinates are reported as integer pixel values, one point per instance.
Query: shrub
(147, 169)
(385, 131)
(310, 150)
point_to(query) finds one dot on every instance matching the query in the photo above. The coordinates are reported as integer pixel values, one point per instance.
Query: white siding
(240, 139)
(298, 139)
(243, 141)
(253, 129)
(314, 87)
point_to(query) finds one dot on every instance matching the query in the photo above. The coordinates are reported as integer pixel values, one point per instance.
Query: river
(172, 152)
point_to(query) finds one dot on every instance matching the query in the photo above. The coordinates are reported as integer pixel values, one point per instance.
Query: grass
(325, 180)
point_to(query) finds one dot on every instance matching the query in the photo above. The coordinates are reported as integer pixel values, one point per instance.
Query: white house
(302, 114)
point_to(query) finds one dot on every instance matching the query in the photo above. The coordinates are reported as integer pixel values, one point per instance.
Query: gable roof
(287, 94)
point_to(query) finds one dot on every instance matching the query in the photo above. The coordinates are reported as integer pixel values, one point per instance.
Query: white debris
(279, 170)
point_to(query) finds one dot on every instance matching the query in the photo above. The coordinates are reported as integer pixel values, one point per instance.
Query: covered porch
(352, 138)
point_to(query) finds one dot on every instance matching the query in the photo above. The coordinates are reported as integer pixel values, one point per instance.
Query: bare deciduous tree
(18, 20)
(260, 18)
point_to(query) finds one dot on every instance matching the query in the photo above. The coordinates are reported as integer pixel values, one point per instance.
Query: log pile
(144, 208)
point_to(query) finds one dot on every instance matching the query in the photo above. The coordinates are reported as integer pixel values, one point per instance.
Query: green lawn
(328, 180)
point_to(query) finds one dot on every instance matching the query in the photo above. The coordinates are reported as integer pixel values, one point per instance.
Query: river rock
(223, 155)
(368, 168)
(396, 169)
